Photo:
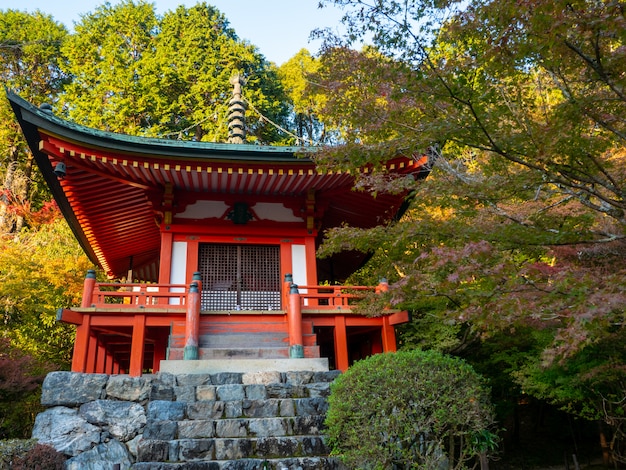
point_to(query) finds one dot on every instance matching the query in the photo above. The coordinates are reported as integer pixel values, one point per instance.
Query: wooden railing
(109, 294)
(331, 297)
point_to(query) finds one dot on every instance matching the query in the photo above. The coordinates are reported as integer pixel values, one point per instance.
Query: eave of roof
(155, 147)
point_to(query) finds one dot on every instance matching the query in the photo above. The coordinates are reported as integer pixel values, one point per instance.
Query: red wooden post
(383, 286)
(294, 323)
(88, 286)
(286, 289)
(341, 343)
(101, 359)
(137, 349)
(92, 352)
(389, 336)
(81, 344)
(192, 323)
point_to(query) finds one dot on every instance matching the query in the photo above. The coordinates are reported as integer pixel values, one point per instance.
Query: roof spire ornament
(237, 113)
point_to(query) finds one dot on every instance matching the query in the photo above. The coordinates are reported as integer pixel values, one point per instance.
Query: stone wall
(270, 420)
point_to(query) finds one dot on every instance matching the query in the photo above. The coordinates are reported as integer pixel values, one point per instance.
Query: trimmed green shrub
(410, 410)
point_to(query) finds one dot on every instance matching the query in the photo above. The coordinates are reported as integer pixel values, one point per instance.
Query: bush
(40, 457)
(414, 409)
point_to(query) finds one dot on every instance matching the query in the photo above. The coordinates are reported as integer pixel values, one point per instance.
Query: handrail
(332, 297)
(131, 295)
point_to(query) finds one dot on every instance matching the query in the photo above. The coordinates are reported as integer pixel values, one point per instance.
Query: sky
(279, 28)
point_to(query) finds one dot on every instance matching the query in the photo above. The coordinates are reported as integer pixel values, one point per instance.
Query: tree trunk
(484, 461)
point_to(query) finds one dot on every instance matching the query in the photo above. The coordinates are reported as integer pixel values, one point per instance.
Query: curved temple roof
(114, 184)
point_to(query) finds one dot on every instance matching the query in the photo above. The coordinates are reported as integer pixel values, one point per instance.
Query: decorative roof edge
(43, 118)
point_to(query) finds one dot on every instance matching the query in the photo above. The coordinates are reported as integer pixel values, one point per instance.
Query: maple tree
(520, 226)
(29, 64)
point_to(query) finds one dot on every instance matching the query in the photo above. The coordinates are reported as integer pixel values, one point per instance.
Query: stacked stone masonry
(234, 421)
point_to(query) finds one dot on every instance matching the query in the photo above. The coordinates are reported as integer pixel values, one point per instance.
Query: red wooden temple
(210, 248)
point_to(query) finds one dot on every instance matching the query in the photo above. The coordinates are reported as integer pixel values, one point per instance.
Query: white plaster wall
(179, 267)
(298, 265)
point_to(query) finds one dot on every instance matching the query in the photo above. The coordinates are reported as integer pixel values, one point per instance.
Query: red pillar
(341, 343)
(137, 346)
(92, 352)
(192, 323)
(101, 358)
(286, 289)
(389, 336)
(81, 344)
(88, 286)
(294, 324)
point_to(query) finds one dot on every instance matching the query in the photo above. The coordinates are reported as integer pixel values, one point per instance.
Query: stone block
(193, 379)
(256, 392)
(233, 449)
(314, 445)
(308, 425)
(299, 377)
(206, 392)
(260, 408)
(269, 427)
(311, 406)
(249, 464)
(233, 409)
(196, 449)
(286, 407)
(230, 392)
(318, 389)
(277, 447)
(185, 393)
(161, 391)
(231, 428)
(285, 391)
(72, 388)
(112, 451)
(161, 430)
(122, 419)
(205, 410)
(265, 378)
(161, 410)
(195, 429)
(149, 450)
(125, 387)
(66, 431)
(226, 378)
(326, 376)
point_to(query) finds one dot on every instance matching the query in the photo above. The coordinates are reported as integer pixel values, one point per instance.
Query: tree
(41, 270)
(20, 378)
(537, 87)
(520, 226)
(105, 59)
(415, 409)
(306, 101)
(30, 65)
(141, 74)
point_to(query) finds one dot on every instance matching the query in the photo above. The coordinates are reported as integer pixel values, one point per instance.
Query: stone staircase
(226, 421)
(233, 338)
(265, 420)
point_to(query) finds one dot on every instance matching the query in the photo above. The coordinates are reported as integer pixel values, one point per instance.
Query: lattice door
(240, 277)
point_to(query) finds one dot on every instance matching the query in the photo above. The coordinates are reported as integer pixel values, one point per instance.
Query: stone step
(243, 353)
(225, 420)
(215, 366)
(300, 463)
(208, 325)
(233, 340)
(191, 450)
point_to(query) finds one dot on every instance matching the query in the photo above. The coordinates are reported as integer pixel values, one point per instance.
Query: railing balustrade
(130, 295)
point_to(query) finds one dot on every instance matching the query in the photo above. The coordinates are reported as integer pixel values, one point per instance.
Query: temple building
(210, 249)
